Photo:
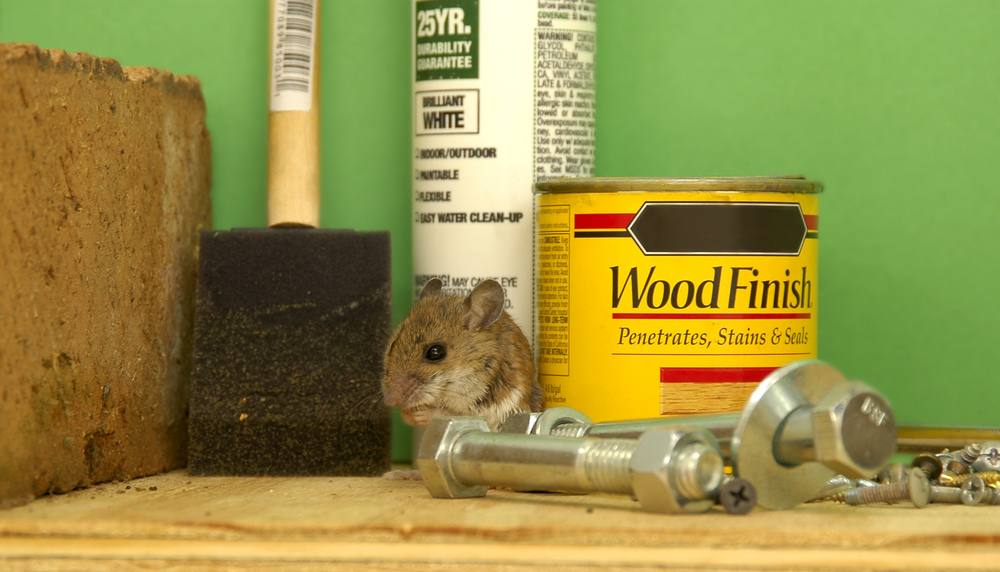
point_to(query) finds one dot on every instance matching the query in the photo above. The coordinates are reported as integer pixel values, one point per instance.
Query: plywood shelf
(224, 523)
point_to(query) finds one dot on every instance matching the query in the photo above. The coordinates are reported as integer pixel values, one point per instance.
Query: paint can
(672, 296)
(503, 96)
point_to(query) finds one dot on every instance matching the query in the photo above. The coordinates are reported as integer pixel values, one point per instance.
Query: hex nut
(434, 456)
(653, 471)
(855, 431)
(556, 416)
(520, 423)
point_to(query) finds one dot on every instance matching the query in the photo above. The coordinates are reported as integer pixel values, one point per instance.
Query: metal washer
(781, 487)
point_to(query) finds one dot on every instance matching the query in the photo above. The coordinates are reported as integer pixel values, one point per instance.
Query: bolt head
(957, 467)
(989, 457)
(973, 490)
(656, 481)
(920, 488)
(434, 457)
(855, 431)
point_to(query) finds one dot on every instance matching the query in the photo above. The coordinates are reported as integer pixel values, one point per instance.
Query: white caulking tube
(503, 96)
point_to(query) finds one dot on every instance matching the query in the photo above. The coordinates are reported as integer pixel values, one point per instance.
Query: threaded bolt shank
(605, 465)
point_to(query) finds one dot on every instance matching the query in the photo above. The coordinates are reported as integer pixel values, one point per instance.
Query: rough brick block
(104, 185)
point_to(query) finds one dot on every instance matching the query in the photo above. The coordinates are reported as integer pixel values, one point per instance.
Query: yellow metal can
(672, 296)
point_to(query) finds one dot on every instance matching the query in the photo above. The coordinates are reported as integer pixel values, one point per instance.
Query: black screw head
(738, 496)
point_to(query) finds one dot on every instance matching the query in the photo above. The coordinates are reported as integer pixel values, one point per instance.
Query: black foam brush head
(289, 331)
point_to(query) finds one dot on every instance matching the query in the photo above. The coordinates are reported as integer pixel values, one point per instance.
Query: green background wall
(894, 105)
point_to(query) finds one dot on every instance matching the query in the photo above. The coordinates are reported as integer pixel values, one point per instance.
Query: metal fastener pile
(806, 434)
(970, 476)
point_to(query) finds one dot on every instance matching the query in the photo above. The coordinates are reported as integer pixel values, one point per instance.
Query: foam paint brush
(290, 320)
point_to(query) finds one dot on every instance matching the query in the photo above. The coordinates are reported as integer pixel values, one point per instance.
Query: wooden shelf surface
(276, 523)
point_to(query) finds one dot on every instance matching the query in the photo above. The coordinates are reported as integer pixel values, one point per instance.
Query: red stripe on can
(812, 222)
(602, 220)
(641, 316)
(714, 374)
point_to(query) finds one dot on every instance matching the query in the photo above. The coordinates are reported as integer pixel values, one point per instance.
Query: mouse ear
(484, 305)
(432, 288)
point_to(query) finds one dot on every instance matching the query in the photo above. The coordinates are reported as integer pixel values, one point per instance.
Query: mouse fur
(455, 356)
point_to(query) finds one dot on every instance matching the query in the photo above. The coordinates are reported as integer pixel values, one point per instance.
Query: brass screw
(950, 479)
(929, 464)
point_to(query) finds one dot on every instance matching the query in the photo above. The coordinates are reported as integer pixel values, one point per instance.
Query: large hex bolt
(667, 471)
(803, 424)
(568, 422)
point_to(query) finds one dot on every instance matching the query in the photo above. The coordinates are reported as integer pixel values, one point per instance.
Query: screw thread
(990, 478)
(606, 465)
(969, 454)
(575, 430)
(699, 471)
(882, 493)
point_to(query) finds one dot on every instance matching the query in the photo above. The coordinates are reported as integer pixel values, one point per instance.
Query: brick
(104, 185)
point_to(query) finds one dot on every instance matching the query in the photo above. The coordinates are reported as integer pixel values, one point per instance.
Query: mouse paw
(402, 476)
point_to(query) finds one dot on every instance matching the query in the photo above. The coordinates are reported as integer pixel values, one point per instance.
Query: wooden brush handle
(293, 136)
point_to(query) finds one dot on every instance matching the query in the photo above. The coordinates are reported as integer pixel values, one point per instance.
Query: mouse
(455, 356)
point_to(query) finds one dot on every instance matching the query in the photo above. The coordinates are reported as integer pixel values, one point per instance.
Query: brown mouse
(460, 357)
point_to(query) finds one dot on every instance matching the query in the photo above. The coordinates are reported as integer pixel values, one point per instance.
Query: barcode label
(294, 55)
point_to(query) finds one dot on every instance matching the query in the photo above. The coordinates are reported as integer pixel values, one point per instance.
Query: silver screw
(667, 471)
(991, 497)
(969, 454)
(975, 491)
(949, 495)
(837, 486)
(916, 489)
(988, 459)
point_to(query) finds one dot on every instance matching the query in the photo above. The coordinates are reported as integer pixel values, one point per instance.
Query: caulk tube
(503, 95)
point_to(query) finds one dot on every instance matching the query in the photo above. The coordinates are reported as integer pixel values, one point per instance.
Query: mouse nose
(398, 389)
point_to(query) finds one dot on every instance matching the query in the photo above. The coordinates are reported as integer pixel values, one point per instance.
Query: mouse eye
(434, 352)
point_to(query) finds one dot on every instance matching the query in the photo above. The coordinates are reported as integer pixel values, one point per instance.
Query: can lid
(772, 184)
